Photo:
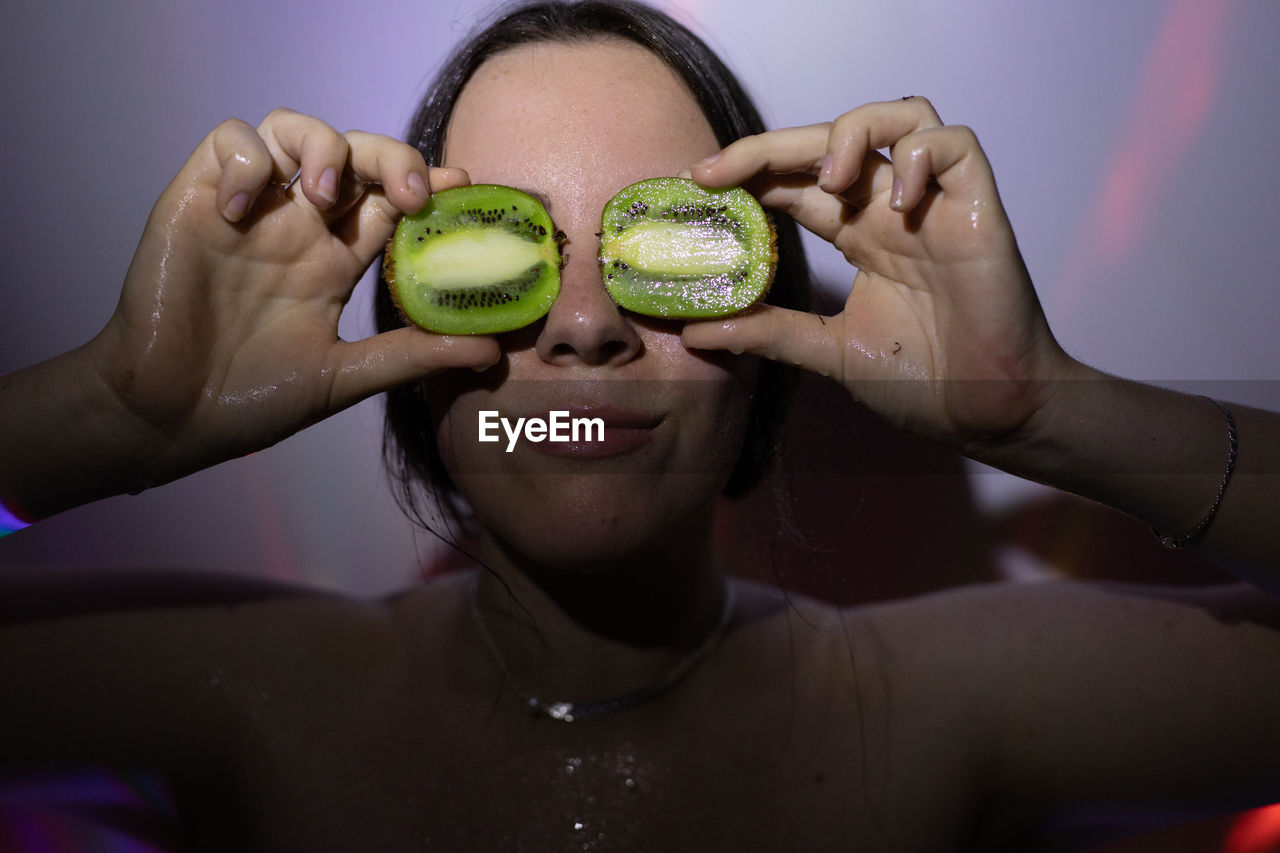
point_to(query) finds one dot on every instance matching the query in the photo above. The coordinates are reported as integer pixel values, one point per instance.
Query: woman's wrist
(69, 439)
(1167, 458)
(1108, 438)
(1177, 541)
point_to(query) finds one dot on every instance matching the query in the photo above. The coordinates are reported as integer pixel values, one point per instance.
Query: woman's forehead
(594, 116)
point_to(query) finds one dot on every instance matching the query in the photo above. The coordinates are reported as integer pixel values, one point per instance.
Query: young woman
(600, 683)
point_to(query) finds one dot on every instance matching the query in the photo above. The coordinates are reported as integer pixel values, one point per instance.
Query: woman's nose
(585, 325)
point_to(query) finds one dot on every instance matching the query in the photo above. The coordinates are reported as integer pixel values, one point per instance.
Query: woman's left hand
(942, 332)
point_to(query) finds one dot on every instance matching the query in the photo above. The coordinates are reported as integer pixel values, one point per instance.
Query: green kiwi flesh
(670, 247)
(477, 260)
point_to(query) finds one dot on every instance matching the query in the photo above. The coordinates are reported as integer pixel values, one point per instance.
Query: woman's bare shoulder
(1008, 609)
(1089, 692)
(34, 594)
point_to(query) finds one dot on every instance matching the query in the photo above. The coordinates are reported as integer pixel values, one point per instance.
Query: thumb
(383, 361)
(798, 338)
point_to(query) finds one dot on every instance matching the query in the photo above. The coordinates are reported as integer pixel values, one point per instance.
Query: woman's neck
(590, 632)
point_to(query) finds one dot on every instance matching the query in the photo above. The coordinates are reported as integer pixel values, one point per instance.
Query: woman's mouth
(575, 431)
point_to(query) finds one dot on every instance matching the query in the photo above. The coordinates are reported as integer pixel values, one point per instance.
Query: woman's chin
(595, 523)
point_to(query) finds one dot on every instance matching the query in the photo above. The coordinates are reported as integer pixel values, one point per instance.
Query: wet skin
(306, 721)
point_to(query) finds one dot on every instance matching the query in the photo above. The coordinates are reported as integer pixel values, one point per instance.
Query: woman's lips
(625, 430)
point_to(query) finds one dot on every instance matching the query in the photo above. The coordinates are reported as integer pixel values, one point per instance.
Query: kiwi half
(670, 247)
(477, 260)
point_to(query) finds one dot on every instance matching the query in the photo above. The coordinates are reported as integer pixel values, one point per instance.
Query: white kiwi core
(679, 249)
(474, 259)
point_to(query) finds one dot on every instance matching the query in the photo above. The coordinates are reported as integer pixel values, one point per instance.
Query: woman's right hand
(225, 339)
(941, 331)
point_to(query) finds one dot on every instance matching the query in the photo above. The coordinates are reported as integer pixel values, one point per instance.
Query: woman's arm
(184, 675)
(1165, 458)
(225, 337)
(1089, 706)
(942, 334)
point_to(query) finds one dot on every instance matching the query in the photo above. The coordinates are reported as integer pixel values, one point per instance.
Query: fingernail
(824, 179)
(417, 184)
(686, 174)
(328, 186)
(702, 164)
(481, 368)
(895, 196)
(237, 207)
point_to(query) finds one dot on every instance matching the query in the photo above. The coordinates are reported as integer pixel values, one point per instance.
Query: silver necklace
(572, 712)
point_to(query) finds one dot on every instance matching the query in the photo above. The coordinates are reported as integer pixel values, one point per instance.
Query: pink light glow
(1171, 103)
(279, 553)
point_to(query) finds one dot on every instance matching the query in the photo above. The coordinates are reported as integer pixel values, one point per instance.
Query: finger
(447, 177)
(398, 168)
(834, 153)
(244, 167)
(866, 129)
(817, 210)
(950, 155)
(384, 361)
(394, 180)
(368, 227)
(814, 210)
(793, 149)
(308, 153)
(797, 338)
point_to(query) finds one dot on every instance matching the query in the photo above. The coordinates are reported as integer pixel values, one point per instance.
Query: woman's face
(574, 124)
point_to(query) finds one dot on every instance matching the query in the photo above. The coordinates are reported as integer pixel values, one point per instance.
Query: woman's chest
(704, 777)
(620, 797)
(760, 750)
